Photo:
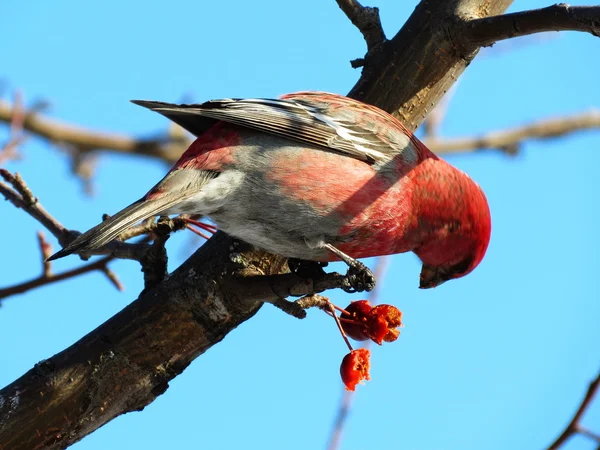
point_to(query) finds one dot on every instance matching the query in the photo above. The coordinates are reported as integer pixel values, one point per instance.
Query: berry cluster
(361, 321)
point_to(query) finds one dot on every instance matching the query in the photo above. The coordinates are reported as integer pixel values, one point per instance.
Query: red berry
(357, 312)
(355, 368)
(383, 322)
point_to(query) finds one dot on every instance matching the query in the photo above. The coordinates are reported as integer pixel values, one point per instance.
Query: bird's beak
(431, 277)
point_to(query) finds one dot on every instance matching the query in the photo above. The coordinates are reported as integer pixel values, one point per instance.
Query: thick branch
(562, 17)
(85, 141)
(128, 361)
(125, 363)
(574, 427)
(509, 140)
(366, 19)
(410, 73)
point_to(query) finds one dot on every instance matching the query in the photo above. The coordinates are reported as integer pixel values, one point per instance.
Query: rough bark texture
(128, 361)
(410, 73)
(124, 364)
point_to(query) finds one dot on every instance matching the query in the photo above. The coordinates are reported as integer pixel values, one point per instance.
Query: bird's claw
(359, 278)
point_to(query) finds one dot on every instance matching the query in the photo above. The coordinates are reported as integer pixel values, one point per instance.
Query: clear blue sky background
(497, 360)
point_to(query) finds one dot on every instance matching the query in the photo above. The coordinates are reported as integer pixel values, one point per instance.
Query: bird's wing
(326, 120)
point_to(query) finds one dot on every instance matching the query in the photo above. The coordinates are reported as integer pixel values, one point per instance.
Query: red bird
(319, 177)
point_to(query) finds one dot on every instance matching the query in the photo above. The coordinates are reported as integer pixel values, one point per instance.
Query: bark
(128, 361)
(410, 73)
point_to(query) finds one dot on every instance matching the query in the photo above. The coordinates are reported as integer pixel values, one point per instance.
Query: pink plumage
(316, 176)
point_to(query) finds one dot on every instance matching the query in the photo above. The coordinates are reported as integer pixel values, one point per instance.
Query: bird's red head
(455, 217)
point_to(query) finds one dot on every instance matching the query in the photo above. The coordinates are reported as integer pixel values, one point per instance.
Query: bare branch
(152, 257)
(152, 340)
(46, 252)
(574, 426)
(509, 140)
(21, 196)
(127, 362)
(44, 280)
(590, 434)
(16, 138)
(85, 141)
(561, 17)
(47, 277)
(273, 288)
(366, 19)
(411, 72)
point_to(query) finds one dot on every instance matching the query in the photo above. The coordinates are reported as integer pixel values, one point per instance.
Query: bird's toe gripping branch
(359, 277)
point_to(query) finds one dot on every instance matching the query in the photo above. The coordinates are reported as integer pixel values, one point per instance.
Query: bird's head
(456, 215)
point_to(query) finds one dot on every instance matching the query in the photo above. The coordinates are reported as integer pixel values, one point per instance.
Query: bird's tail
(113, 226)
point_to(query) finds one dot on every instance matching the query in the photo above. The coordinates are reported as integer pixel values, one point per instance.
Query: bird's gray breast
(258, 212)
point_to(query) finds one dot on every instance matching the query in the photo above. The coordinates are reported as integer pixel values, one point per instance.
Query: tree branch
(574, 426)
(47, 277)
(152, 257)
(85, 141)
(128, 361)
(561, 17)
(366, 19)
(43, 280)
(9, 149)
(509, 140)
(410, 73)
(21, 196)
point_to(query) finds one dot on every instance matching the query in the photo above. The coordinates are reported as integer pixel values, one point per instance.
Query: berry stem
(332, 308)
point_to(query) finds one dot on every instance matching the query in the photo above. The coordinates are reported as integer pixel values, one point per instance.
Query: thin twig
(44, 280)
(366, 19)
(84, 141)
(590, 434)
(152, 257)
(509, 140)
(347, 397)
(17, 137)
(46, 252)
(113, 278)
(561, 17)
(21, 196)
(574, 427)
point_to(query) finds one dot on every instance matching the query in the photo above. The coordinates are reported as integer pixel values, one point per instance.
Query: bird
(315, 176)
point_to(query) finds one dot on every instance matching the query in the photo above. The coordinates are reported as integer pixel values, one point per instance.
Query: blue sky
(497, 360)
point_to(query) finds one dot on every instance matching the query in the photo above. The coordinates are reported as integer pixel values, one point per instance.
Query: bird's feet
(359, 278)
